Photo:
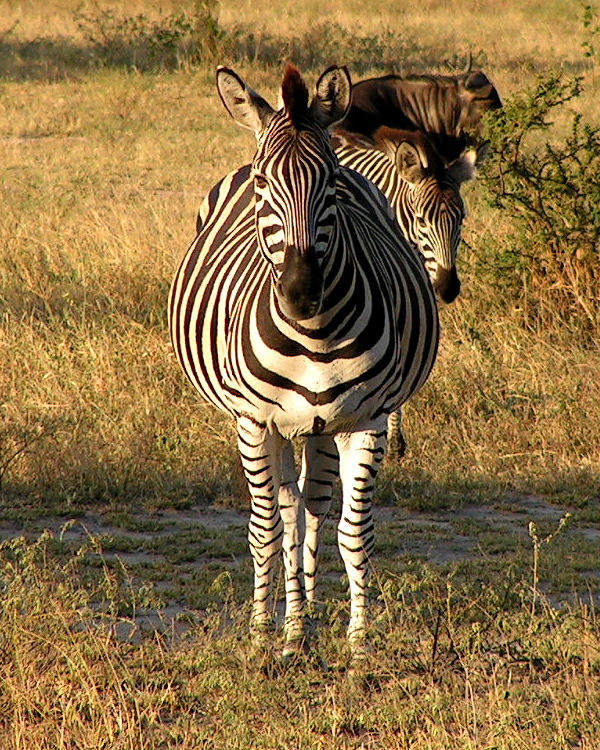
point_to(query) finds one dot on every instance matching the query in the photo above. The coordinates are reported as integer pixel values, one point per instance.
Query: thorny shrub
(550, 184)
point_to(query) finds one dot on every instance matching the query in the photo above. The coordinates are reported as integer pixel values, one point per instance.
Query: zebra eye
(260, 181)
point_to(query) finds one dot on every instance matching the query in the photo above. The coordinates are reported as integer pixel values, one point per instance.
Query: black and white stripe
(300, 310)
(424, 193)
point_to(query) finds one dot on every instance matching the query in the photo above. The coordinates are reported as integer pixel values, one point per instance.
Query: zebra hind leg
(396, 447)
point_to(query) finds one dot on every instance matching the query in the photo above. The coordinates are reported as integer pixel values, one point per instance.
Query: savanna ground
(125, 578)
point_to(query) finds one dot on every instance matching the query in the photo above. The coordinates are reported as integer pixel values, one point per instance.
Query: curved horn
(470, 63)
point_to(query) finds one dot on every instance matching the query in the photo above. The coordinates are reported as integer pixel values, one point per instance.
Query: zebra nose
(300, 285)
(447, 284)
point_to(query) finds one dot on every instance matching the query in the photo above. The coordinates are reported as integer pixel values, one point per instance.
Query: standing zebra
(424, 193)
(418, 138)
(300, 310)
(422, 186)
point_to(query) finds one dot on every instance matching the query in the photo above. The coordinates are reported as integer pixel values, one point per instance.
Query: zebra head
(432, 206)
(295, 171)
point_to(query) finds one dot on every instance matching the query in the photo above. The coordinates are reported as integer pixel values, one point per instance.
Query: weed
(591, 31)
(173, 40)
(537, 543)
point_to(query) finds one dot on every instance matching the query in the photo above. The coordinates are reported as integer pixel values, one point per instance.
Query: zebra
(422, 189)
(424, 192)
(301, 311)
(417, 139)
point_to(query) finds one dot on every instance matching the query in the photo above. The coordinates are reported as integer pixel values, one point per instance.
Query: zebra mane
(430, 157)
(295, 95)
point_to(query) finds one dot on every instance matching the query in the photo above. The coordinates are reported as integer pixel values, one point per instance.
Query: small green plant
(171, 40)
(591, 30)
(538, 542)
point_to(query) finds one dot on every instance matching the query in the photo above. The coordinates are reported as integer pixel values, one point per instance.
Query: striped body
(300, 311)
(363, 356)
(359, 358)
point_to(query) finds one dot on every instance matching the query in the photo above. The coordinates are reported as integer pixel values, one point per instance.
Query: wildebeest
(447, 107)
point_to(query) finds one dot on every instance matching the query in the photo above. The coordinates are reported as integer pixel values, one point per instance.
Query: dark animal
(446, 107)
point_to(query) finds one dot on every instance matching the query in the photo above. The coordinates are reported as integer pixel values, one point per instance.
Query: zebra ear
(332, 99)
(411, 162)
(246, 107)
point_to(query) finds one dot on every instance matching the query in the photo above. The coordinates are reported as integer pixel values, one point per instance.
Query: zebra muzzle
(447, 284)
(299, 289)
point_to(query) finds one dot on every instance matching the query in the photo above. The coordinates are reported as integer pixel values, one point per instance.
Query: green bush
(172, 40)
(551, 186)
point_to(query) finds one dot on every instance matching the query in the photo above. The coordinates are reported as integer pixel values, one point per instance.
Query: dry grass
(104, 167)
(103, 176)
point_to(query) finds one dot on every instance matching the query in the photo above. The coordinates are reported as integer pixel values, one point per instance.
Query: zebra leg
(291, 509)
(361, 454)
(396, 444)
(260, 451)
(320, 470)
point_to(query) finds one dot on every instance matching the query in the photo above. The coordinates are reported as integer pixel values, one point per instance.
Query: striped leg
(396, 447)
(361, 454)
(291, 508)
(320, 470)
(260, 451)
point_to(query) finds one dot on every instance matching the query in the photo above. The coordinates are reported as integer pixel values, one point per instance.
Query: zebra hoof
(262, 633)
(294, 650)
(359, 667)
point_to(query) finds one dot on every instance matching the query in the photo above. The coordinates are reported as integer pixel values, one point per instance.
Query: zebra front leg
(292, 514)
(320, 470)
(260, 451)
(361, 454)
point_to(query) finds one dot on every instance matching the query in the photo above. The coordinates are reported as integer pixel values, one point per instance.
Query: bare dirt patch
(183, 552)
